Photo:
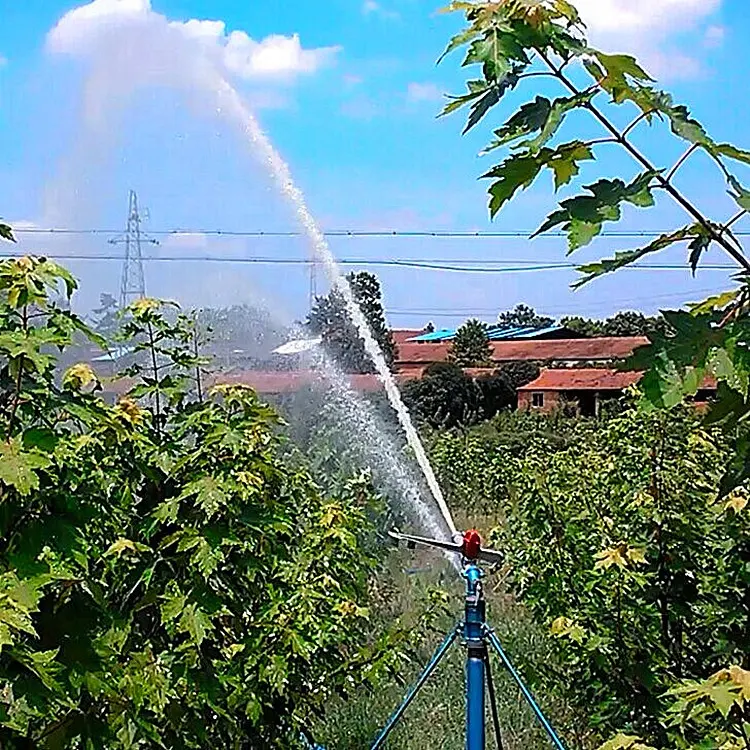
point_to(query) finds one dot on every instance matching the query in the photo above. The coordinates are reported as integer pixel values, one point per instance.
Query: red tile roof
(583, 380)
(264, 382)
(270, 382)
(597, 349)
(401, 335)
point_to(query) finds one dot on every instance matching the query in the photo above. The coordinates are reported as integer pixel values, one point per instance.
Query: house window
(537, 400)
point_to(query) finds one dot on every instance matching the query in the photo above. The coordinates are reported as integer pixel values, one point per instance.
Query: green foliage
(668, 601)
(627, 323)
(105, 318)
(444, 397)
(243, 335)
(545, 39)
(523, 316)
(515, 42)
(521, 171)
(519, 374)
(6, 233)
(582, 217)
(471, 346)
(618, 540)
(167, 577)
(447, 397)
(329, 318)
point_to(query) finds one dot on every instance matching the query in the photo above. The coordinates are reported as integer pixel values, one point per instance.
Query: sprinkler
(478, 638)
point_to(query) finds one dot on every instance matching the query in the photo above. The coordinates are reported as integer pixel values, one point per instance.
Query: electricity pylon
(133, 282)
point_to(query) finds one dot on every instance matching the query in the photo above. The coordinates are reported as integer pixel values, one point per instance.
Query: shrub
(166, 578)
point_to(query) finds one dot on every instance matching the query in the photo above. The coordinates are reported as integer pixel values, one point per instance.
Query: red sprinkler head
(472, 544)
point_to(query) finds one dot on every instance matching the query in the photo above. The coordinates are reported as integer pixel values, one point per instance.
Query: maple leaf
(620, 555)
(741, 678)
(129, 411)
(18, 467)
(79, 376)
(736, 502)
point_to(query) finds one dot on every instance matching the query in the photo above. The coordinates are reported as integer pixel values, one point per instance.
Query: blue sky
(102, 104)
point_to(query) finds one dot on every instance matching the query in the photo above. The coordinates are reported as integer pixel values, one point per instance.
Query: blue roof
(114, 354)
(508, 333)
(540, 332)
(444, 334)
(494, 333)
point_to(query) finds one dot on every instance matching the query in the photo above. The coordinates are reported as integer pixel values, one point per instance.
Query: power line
(518, 267)
(360, 233)
(604, 304)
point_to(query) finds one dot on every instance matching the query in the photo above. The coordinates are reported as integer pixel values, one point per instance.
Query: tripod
(477, 636)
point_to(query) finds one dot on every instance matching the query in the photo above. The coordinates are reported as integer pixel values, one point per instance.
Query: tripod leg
(551, 733)
(493, 703)
(412, 694)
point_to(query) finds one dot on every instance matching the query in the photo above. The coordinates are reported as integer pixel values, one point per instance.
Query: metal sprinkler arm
(468, 545)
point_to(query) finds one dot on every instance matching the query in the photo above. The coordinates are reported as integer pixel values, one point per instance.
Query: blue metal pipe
(548, 728)
(474, 623)
(475, 722)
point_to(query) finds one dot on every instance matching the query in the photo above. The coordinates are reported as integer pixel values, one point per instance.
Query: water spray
(230, 100)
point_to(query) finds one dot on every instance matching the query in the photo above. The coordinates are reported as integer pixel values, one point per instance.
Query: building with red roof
(414, 358)
(584, 389)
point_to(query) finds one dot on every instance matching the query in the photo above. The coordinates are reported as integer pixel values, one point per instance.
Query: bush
(445, 397)
(166, 578)
(619, 542)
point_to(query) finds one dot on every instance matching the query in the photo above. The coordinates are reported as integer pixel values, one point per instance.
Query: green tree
(517, 44)
(329, 318)
(627, 323)
(243, 335)
(105, 319)
(167, 577)
(523, 316)
(471, 346)
(618, 541)
(444, 397)
(584, 326)
(519, 374)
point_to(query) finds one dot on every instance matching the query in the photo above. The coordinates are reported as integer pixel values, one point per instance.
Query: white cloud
(185, 241)
(374, 8)
(648, 28)
(714, 36)
(102, 24)
(129, 55)
(423, 92)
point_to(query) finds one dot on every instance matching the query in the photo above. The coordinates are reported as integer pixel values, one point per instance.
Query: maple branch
(681, 161)
(599, 141)
(157, 392)
(536, 74)
(643, 116)
(710, 228)
(734, 219)
(19, 375)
